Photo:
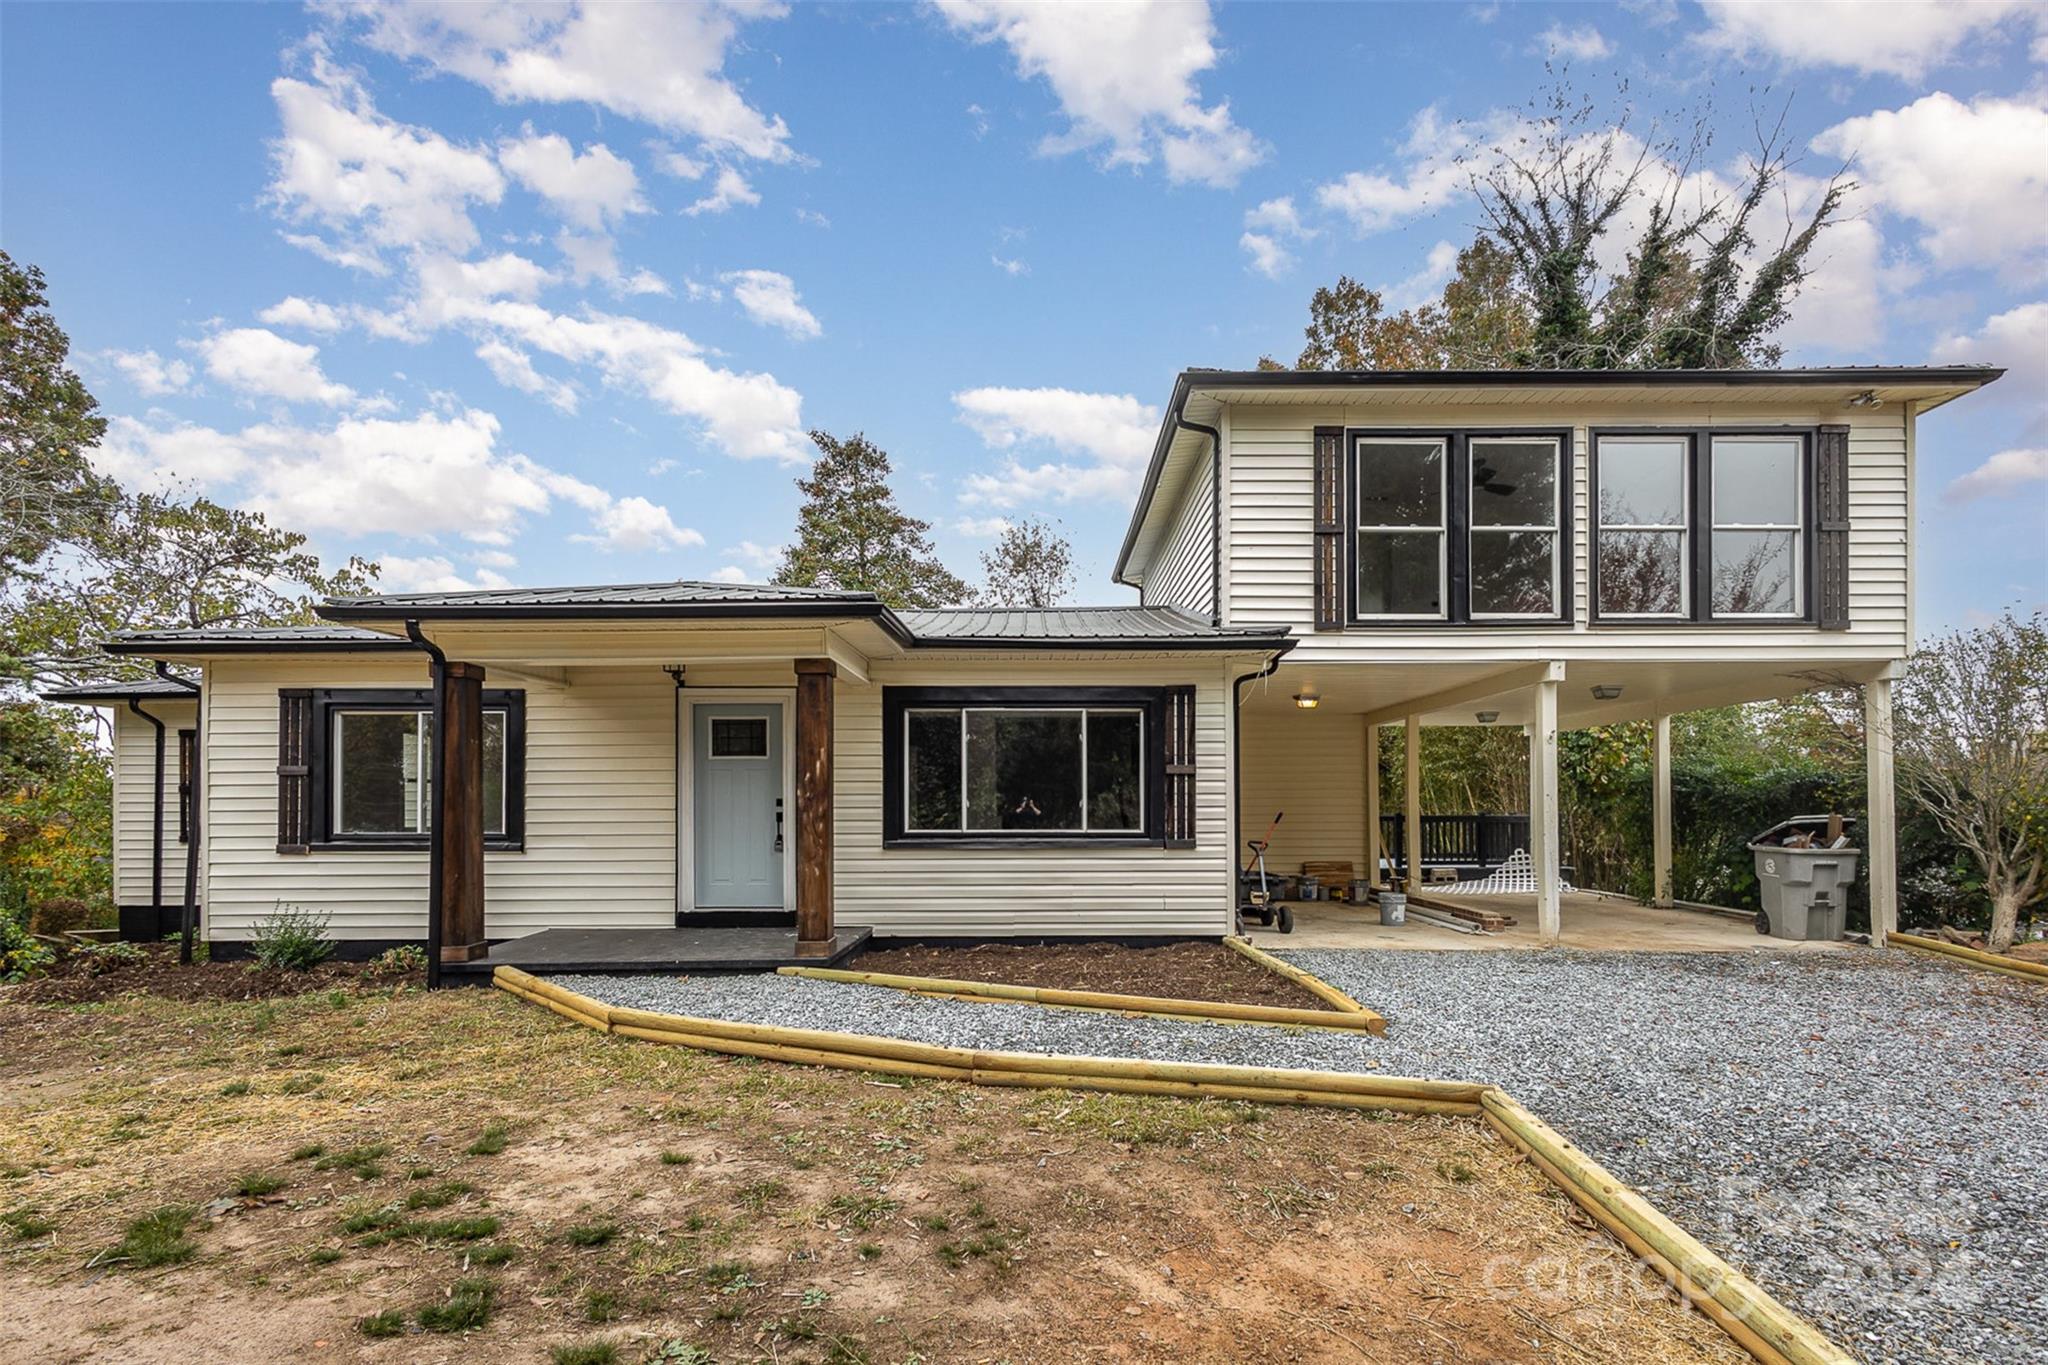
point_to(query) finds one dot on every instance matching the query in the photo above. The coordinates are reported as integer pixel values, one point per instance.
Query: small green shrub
(585, 1353)
(406, 957)
(98, 959)
(870, 1251)
(493, 1140)
(21, 955)
(389, 1323)
(307, 1151)
(468, 1306)
(591, 1234)
(256, 1184)
(158, 1238)
(675, 1158)
(61, 914)
(292, 939)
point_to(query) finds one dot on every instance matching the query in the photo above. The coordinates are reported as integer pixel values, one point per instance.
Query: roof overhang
(385, 615)
(1200, 396)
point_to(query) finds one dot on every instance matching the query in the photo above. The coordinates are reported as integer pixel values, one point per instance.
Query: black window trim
(897, 700)
(320, 779)
(188, 745)
(1699, 530)
(1457, 613)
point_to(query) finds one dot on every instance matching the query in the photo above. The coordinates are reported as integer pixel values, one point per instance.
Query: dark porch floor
(749, 948)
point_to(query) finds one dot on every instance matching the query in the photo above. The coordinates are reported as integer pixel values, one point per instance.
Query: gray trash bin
(1805, 891)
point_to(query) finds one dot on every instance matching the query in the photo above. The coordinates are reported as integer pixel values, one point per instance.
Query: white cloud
(1012, 266)
(591, 257)
(1124, 75)
(1268, 229)
(813, 218)
(259, 362)
(1426, 284)
(663, 64)
(760, 557)
(634, 525)
(513, 368)
(424, 573)
(150, 373)
(1112, 433)
(983, 528)
(590, 190)
(1973, 176)
(728, 189)
(771, 300)
(1905, 38)
(730, 573)
(2016, 339)
(381, 183)
(1435, 173)
(313, 316)
(347, 257)
(644, 282)
(494, 559)
(1583, 44)
(2002, 474)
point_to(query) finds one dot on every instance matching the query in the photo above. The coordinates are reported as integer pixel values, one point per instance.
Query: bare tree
(1971, 744)
(1031, 566)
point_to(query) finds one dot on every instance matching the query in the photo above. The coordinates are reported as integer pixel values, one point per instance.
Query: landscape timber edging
(1209, 1011)
(1768, 1330)
(2011, 966)
(1308, 981)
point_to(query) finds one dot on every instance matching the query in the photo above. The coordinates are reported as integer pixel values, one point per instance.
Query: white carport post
(1880, 833)
(1543, 836)
(1372, 804)
(1411, 804)
(1660, 816)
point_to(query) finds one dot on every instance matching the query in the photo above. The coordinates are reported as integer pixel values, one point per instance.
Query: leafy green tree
(56, 798)
(49, 492)
(1030, 565)
(851, 534)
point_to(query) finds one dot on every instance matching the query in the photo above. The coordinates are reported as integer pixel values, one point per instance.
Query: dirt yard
(1181, 971)
(377, 1174)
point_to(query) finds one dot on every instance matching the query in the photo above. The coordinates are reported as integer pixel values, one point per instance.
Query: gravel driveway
(1865, 1136)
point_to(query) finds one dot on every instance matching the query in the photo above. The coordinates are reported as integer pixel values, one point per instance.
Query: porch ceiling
(1453, 693)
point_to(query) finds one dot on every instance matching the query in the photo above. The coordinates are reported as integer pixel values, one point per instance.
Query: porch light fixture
(1606, 691)
(1866, 399)
(1307, 701)
(1486, 717)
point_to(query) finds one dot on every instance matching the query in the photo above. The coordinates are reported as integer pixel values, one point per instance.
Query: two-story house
(1318, 555)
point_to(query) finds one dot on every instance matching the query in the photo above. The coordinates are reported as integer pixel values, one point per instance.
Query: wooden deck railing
(1456, 840)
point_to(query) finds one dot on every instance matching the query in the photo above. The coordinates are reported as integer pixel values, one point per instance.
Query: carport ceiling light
(1486, 717)
(1606, 691)
(1307, 701)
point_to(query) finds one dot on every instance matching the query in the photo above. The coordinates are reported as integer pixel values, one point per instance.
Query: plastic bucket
(1393, 907)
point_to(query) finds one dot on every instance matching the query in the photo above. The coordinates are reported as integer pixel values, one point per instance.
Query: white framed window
(1643, 508)
(1757, 543)
(1517, 517)
(1019, 770)
(1401, 545)
(381, 771)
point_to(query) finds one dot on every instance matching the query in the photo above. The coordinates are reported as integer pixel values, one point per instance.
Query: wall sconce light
(1307, 700)
(1866, 399)
(1606, 691)
(1486, 717)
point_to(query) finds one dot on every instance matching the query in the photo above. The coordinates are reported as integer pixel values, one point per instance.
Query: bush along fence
(1768, 1330)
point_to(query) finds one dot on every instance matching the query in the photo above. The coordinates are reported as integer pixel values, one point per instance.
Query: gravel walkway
(1866, 1137)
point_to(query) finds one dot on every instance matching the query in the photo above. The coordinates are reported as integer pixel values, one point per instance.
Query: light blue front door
(741, 830)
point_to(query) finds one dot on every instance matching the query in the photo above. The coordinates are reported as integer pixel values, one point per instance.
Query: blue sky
(550, 295)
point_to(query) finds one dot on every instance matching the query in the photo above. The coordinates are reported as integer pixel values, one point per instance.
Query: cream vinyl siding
(134, 806)
(1270, 574)
(1183, 574)
(600, 809)
(977, 892)
(1310, 765)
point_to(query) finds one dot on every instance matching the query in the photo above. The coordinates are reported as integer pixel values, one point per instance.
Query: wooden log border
(1956, 952)
(1754, 1320)
(1308, 981)
(1358, 1019)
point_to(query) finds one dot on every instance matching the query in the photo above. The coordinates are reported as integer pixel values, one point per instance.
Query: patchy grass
(388, 1323)
(861, 1211)
(364, 1162)
(438, 1196)
(586, 1353)
(27, 1224)
(675, 1158)
(157, 1238)
(1143, 1119)
(492, 1141)
(466, 1308)
(591, 1234)
(256, 1184)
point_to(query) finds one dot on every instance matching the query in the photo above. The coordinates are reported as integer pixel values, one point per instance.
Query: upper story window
(1702, 526)
(1460, 527)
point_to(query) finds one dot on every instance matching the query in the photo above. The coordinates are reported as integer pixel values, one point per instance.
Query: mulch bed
(80, 979)
(1181, 971)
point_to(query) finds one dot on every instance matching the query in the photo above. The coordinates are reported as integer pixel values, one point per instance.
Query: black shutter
(1329, 534)
(294, 795)
(1831, 527)
(1180, 767)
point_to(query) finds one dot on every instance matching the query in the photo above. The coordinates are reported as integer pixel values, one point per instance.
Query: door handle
(778, 824)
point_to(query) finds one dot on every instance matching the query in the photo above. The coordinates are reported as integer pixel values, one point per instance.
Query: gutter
(1237, 762)
(1215, 514)
(437, 661)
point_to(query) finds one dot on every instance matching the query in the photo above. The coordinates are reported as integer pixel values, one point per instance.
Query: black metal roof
(122, 689)
(599, 595)
(1197, 378)
(323, 639)
(1085, 627)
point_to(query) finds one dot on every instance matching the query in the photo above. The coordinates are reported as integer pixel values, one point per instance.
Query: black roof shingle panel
(235, 639)
(1087, 626)
(597, 595)
(141, 689)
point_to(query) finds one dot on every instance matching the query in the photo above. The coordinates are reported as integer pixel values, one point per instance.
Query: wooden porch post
(815, 936)
(1411, 804)
(1543, 837)
(1880, 834)
(1660, 815)
(459, 811)
(1372, 804)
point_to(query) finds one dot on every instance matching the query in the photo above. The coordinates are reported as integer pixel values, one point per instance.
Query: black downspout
(1237, 761)
(156, 842)
(1215, 514)
(188, 918)
(433, 652)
